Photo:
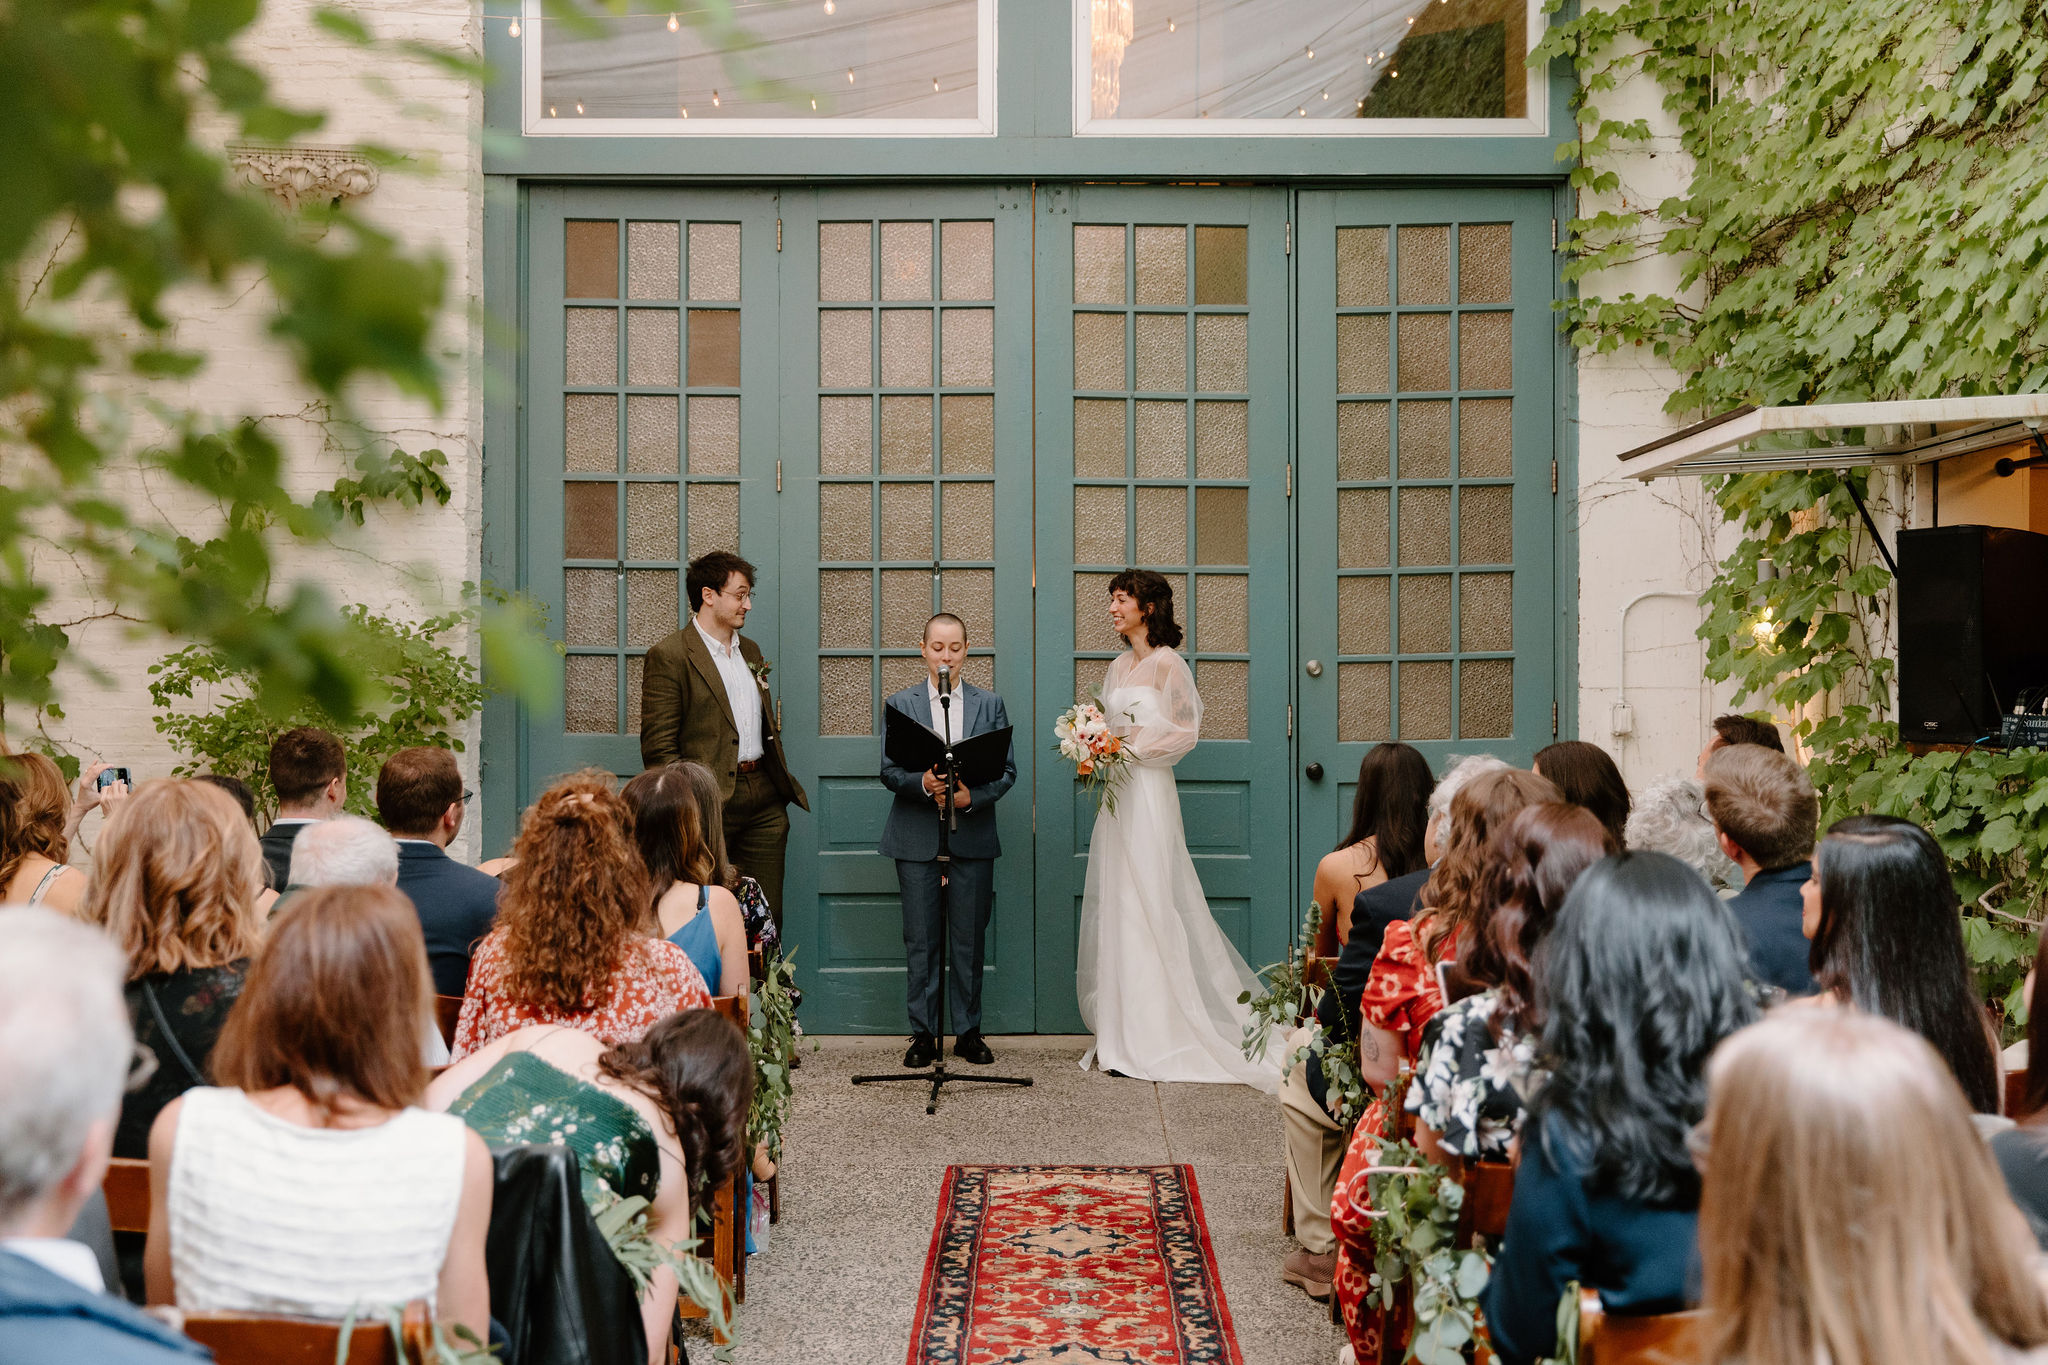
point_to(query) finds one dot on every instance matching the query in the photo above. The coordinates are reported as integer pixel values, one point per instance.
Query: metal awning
(1838, 435)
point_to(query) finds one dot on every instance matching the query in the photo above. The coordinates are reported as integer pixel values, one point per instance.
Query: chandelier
(1110, 27)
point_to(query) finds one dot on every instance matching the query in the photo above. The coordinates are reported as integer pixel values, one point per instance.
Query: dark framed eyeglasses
(467, 796)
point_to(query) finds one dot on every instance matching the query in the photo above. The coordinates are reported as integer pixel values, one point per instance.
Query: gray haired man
(65, 1054)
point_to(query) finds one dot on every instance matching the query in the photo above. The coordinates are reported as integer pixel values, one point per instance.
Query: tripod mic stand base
(939, 1076)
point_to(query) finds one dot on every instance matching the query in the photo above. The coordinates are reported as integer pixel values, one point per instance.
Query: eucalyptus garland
(772, 1031)
(1414, 1234)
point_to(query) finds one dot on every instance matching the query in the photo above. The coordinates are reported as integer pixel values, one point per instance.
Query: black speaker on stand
(1973, 629)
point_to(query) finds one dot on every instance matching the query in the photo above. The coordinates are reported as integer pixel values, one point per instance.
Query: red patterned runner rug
(1071, 1265)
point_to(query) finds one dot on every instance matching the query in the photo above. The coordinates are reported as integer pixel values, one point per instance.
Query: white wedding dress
(1158, 980)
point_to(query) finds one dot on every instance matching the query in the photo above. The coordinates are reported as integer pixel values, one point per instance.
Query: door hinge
(1553, 235)
(778, 233)
(1290, 478)
(778, 715)
(1290, 720)
(1553, 720)
(1553, 477)
(1290, 237)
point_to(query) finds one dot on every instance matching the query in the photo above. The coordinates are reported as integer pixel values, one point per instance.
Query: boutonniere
(761, 671)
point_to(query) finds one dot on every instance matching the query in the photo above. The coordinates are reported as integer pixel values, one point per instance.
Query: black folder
(916, 747)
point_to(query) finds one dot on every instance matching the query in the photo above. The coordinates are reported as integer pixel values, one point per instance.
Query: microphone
(945, 680)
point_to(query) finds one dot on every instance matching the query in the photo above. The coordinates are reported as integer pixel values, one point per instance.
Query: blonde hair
(1850, 1211)
(176, 879)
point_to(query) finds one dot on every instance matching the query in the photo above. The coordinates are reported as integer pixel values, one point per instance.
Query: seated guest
(1402, 995)
(64, 1052)
(237, 788)
(1764, 813)
(37, 819)
(570, 945)
(660, 1118)
(1478, 1065)
(1641, 978)
(1388, 813)
(344, 851)
(2022, 1152)
(309, 773)
(1733, 729)
(1849, 1213)
(761, 930)
(177, 885)
(1888, 938)
(420, 800)
(1671, 817)
(695, 913)
(1588, 777)
(310, 1182)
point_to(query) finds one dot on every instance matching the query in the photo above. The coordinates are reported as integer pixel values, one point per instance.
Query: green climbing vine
(1866, 217)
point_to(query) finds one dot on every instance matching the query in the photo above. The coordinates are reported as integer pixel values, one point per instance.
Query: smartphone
(109, 776)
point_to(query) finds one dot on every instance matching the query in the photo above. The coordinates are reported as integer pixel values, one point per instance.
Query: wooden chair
(274, 1339)
(728, 1210)
(447, 1011)
(126, 1186)
(1489, 1190)
(2016, 1095)
(1659, 1339)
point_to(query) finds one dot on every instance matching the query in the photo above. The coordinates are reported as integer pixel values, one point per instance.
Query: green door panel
(1163, 410)
(906, 490)
(1426, 520)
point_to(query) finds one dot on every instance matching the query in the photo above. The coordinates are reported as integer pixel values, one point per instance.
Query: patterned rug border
(1226, 1330)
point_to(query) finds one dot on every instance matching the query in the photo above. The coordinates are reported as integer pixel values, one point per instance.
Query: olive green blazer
(686, 715)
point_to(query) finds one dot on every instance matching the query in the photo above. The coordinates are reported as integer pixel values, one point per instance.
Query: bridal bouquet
(1098, 756)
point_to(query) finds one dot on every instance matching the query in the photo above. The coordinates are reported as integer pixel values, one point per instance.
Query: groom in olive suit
(911, 837)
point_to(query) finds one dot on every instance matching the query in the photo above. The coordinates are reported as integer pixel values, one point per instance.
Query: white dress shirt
(944, 722)
(740, 689)
(62, 1257)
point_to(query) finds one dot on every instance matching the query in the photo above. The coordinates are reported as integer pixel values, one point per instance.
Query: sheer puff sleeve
(1160, 717)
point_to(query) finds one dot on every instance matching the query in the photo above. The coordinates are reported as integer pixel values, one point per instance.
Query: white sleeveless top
(270, 1217)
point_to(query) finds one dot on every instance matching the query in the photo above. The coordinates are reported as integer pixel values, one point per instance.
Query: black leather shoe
(969, 1047)
(924, 1050)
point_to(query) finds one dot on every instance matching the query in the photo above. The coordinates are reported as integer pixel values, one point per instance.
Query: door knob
(1314, 668)
(1315, 772)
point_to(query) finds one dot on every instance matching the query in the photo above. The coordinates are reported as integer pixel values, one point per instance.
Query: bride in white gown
(1158, 980)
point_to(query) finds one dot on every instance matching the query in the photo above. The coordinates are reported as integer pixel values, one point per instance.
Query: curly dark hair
(1154, 596)
(1532, 863)
(1637, 984)
(695, 1065)
(575, 898)
(1890, 941)
(1450, 900)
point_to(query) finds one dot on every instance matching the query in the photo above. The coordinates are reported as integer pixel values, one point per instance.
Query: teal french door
(1426, 502)
(1163, 415)
(906, 444)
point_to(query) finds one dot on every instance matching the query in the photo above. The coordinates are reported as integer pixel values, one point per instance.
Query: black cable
(1857, 498)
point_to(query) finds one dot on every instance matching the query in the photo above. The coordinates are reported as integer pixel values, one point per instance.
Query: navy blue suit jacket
(45, 1318)
(456, 905)
(912, 830)
(1372, 910)
(1769, 911)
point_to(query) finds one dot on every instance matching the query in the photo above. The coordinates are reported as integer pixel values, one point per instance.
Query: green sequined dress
(523, 1099)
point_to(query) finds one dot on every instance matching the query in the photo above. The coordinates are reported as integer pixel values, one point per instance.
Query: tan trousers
(1315, 1150)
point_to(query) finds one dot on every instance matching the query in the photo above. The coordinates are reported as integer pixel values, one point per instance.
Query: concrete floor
(839, 1281)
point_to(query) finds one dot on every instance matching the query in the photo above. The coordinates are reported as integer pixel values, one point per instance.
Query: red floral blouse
(657, 979)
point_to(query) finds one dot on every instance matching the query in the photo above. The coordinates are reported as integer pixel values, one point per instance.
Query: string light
(935, 85)
(1411, 18)
(814, 104)
(1311, 53)
(714, 99)
(1395, 75)
(830, 7)
(579, 106)
(514, 29)
(849, 75)
(1170, 26)
(1302, 112)
(672, 24)
(551, 111)
(1361, 106)
(1326, 94)
(684, 109)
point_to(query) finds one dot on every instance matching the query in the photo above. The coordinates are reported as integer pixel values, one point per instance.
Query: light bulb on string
(1170, 26)
(513, 29)
(849, 75)
(551, 111)
(714, 99)
(935, 85)
(830, 7)
(1311, 53)
(1395, 75)
(579, 106)
(672, 24)
(1326, 94)
(814, 104)
(684, 110)
(1301, 112)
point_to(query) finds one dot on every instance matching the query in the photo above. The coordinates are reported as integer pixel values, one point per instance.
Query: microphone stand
(938, 1075)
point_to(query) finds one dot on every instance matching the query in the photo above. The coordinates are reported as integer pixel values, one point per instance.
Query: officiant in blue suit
(911, 837)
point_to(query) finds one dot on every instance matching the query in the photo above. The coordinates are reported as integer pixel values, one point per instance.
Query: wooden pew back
(275, 1339)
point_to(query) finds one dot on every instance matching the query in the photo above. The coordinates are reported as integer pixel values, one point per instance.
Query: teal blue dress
(523, 1099)
(700, 940)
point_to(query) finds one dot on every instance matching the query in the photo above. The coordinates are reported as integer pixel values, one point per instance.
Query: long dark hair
(695, 1065)
(1588, 777)
(1890, 940)
(2034, 1107)
(1391, 807)
(1638, 982)
(1154, 596)
(1532, 863)
(669, 829)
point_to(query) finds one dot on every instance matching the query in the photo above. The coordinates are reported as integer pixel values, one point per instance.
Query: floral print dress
(524, 1100)
(1473, 1087)
(1401, 996)
(656, 980)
